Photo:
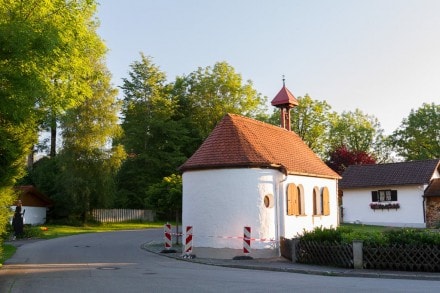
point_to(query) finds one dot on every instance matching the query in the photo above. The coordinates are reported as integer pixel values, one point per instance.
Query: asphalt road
(115, 262)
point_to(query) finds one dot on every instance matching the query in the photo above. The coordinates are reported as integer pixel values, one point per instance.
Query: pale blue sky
(381, 56)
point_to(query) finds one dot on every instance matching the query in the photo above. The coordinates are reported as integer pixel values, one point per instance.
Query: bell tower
(285, 100)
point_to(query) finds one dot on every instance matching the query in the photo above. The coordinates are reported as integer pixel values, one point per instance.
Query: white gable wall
(294, 225)
(33, 215)
(356, 204)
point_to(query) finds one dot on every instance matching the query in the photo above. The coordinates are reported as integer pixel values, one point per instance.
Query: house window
(384, 195)
(317, 202)
(294, 200)
(325, 201)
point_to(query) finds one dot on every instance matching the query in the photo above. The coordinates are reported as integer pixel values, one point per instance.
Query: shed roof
(30, 196)
(403, 173)
(239, 141)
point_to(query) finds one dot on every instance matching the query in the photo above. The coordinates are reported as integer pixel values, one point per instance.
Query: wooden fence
(399, 257)
(122, 215)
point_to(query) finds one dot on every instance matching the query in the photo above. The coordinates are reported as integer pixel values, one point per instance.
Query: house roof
(404, 173)
(30, 196)
(284, 97)
(239, 141)
(433, 188)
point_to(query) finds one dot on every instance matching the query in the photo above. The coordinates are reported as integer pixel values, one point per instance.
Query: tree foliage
(153, 138)
(342, 157)
(88, 160)
(209, 93)
(47, 53)
(418, 137)
(311, 121)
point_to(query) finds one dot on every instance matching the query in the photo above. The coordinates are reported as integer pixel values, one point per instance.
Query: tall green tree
(311, 121)
(359, 132)
(418, 137)
(89, 160)
(45, 65)
(153, 139)
(209, 93)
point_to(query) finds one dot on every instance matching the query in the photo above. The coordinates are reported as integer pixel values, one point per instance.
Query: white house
(253, 174)
(35, 205)
(405, 194)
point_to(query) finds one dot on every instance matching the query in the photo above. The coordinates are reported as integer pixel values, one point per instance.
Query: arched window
(325, 201)
(293, 200)
(317, 201)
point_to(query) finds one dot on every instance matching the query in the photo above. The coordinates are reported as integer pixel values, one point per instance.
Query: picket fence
(122, 215)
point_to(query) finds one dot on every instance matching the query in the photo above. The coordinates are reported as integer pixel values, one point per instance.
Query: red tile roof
(404, 173)
(239, 141)
(284, 97)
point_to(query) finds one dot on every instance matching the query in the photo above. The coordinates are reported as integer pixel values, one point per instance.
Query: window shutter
(394, 195)
(292, 200)
(326, 201)
(295, 207)
(315, 208)
(374, 196)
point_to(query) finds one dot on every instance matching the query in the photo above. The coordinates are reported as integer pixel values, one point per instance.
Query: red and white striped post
(167, 231)
(188, 239)
(247, 240)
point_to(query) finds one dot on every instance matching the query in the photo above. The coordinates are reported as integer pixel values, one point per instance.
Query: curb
(289, 267)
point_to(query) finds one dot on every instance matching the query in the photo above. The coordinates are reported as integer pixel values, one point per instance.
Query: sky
(379, 56)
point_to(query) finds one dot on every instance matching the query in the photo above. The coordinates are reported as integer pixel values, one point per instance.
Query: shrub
(387, 237)
(320, 234)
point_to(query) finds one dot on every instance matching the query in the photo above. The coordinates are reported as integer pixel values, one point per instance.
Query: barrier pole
(188, 239)
(247, 240)
(167, 232)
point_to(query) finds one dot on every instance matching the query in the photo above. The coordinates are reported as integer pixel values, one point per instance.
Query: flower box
(384, 206)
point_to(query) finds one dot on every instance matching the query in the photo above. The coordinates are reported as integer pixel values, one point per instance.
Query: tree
(311, 121)
(153, 138)
(418, 137)
(45, 66)
(166, 197)
(88, 160)
(341, 158)
(209, 93)
(359, 132)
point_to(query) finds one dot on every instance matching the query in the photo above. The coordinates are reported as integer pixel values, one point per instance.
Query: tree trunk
(53, 137)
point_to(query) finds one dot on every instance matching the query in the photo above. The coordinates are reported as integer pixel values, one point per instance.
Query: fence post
(293, 245)
(358, 254)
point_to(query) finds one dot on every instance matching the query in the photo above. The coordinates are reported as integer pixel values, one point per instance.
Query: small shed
(34, 204)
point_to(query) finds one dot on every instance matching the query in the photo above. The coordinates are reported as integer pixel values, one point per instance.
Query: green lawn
(366, 228)
(54, 231)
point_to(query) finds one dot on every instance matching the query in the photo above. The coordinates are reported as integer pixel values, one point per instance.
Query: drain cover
(107, 268)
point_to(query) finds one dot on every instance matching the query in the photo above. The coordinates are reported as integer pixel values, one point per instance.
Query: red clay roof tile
(239, 141)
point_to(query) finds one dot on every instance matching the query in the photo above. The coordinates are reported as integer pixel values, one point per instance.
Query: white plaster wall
(294, 225)
(219, 203)
(33, 215)
(356, 204)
